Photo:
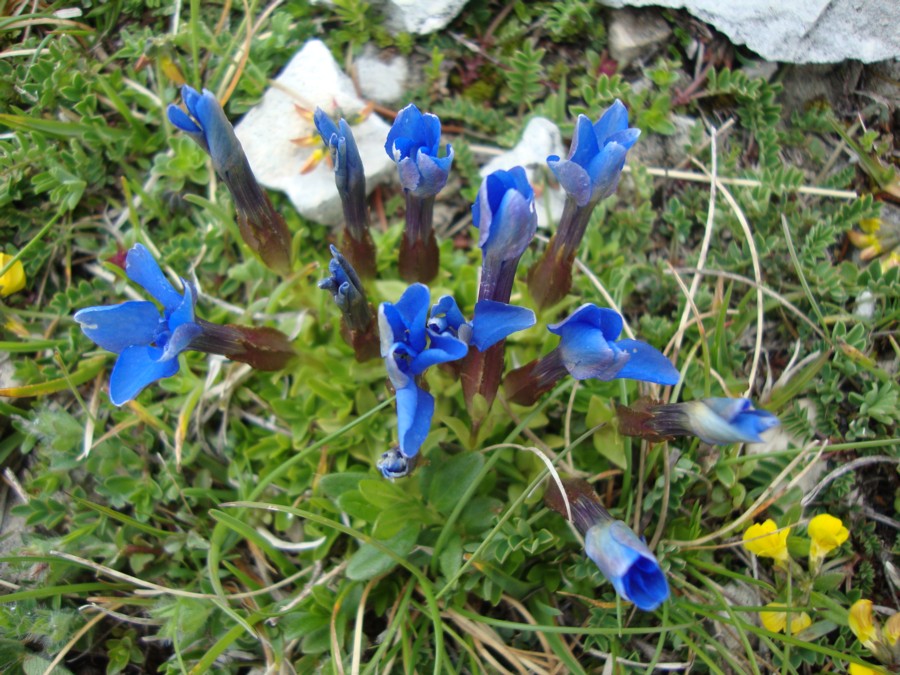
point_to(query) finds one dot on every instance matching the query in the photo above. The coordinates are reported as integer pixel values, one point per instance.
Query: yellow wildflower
(826, 533)
(14, 278)
(861, 623)
(892, 629)
(856, 669)
(762, 539)
(777, 621)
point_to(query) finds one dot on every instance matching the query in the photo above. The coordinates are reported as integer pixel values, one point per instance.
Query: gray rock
(381, 78)
(420, 16)
(312, 78)
(802, 31)
(540, 139)
(635, 34)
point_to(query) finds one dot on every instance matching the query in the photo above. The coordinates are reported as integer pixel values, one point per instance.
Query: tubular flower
(719, 421)
(13, 280)
(408, 349)
(762, 540)
(350, 179)
(414, 143)
(148, 341)
(492, 322)
(826, 534)
(358, 319)
(776, 619)
(621, 555)
(589, 174)
(262, 228)
(588, 349)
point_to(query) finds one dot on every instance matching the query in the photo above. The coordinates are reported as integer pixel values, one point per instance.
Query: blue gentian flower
(358, 318)
(621, 555)
(718, 421)
(506, 219)
(628, 563)
(408, 349)
(350, 179)
(262, 228)
(147, 340)
(413, 142)
(596, 157)
(589, 348)
(492, 322)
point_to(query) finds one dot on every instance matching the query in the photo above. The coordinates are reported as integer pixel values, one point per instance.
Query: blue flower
(413, 142)
(408, 349)
(596, 157)
(588, 348)
(347, 290)
(147, 341)
(262, 228)
(723, 420)
(628, 563)
(506, 219)
(349, 175)
(208, 126)
(492, 322)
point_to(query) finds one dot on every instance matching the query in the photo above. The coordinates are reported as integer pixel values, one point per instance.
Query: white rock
(311, 79)
(420, 16)
(633, 34)
(382, 80)
(540, 139)
(799, 31)
(865, 305)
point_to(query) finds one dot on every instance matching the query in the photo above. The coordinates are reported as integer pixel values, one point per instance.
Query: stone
(634, 34)
(805, 31)
(420, 16)
(540, 139)
(312, 78)
(382, 78)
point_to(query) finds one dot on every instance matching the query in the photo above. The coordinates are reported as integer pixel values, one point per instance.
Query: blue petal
(447, 308)
(433, 171)
(646, 363)
(573, 178)
(142, 268)
(184, 312)
(409, 174)
(511, 228)
(586, 354)
(605, 170)
(415, 408)
(397, 368)
(606, 320)
(135, 368)
(412, 308)
(324, 125)
(626, 138)
(180, 340)
(409, 127)
(115, 327)
(584, 142)
(443, 349)
(752, 423)
(613, 120)
(224, 147)
(393, 464)
(495, 321)
(728, 408)
(180, 119)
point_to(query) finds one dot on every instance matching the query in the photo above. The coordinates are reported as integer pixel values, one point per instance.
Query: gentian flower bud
(148, 341)
(506, 219)
(358, 318)
(718, 421)
(409, 348)
(588, 349)
(414, 143)
(350, 179)
(262, 228)
(589, 174)
(623, 557)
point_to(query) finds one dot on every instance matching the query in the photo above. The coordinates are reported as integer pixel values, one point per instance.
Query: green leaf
(456, 475)
(369, 562)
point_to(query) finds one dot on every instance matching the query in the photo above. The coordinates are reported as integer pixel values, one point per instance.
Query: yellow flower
(860, 621)
(762, 539)
(777, 621)
(14, 279)
(827, 533)
(892, 629)
(856, 669)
